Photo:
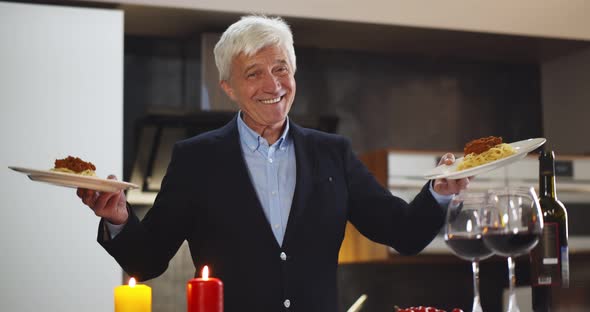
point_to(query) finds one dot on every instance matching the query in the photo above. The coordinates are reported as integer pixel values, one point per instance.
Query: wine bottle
(550, 258)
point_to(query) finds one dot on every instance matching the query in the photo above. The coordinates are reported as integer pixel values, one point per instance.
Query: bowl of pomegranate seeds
(424, 309)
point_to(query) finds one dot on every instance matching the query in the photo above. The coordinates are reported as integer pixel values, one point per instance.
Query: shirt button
(277, 226)
(330, 179)
(287, 303)
(283, 256)
(274, 192)
(270, 160)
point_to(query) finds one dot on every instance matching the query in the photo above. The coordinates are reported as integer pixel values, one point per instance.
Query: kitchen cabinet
(550, 19)
(523, 31)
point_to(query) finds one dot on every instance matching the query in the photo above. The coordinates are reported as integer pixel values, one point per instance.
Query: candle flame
(132, 282)
(205, 272)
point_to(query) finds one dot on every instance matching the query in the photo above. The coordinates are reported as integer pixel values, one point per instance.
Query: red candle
(204, 294)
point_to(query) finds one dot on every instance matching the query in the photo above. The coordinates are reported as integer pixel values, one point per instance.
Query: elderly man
(263, 201)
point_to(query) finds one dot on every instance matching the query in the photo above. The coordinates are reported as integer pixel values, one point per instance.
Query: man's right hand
(449, 186)
(111, 206)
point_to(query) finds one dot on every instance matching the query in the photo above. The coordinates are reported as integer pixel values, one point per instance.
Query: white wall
(61, 92)
(565, 88)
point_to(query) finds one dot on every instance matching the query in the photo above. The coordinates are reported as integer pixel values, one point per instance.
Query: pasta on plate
(74, 165)
(492, 153)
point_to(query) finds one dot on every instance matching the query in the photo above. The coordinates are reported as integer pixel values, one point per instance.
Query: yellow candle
(133, 298)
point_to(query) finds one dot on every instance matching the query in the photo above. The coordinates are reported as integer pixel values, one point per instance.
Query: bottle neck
(547, 174)
(547, 186)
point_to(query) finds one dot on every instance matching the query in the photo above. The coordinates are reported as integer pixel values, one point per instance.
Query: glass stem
(512, 304)
(476, 301)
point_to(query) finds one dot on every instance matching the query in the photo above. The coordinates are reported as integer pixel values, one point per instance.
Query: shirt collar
(252, 139)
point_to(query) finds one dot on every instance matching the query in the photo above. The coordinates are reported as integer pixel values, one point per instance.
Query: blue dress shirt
(273, 172)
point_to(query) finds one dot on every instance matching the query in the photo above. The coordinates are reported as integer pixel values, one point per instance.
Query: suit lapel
(305, 158)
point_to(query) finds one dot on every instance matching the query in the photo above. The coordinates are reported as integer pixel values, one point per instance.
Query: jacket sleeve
(387, 219)
(143, 249)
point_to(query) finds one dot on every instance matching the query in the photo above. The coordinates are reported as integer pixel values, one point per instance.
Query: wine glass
(463, 234)
(512, 224)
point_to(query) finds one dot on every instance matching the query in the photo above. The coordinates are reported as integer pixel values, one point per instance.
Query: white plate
(522, 148)
(74, 180)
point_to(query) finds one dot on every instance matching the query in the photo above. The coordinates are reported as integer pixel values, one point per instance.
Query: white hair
(249, 35)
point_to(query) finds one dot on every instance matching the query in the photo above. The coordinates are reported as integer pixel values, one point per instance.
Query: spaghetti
(66, 170)
(497, 152)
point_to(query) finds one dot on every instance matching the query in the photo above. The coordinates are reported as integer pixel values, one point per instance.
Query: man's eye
(282, 70)
(251, 75)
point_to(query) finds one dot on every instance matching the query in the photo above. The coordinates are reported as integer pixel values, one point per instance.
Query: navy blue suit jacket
(208, 199)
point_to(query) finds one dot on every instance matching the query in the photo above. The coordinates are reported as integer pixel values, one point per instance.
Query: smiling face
(263, 86)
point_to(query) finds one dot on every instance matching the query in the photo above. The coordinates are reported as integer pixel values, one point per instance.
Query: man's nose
(271, 83)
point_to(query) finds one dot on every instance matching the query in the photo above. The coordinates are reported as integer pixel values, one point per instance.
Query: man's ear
(227, 89)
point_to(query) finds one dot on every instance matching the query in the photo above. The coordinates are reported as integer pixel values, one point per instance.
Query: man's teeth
(271, 101)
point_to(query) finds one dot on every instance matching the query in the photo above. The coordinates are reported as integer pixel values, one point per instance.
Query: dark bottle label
(546, 258)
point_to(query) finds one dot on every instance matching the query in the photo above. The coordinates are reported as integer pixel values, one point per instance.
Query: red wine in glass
(467, 246)
(510, 244)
